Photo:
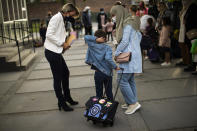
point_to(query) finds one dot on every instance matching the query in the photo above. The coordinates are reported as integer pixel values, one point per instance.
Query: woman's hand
(100, 40)
(66, 46)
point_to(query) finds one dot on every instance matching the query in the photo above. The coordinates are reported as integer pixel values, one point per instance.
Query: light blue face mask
(102, 12)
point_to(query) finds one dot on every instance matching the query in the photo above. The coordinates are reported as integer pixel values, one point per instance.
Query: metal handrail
(17, 43)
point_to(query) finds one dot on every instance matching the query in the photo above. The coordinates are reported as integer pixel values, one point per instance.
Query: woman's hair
(134, 8)
(166, 21)
(150, 21)
(70, 8)
(100, 33)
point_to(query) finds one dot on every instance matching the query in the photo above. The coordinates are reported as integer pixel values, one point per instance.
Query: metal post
(8, 27)
(27, 28)
(17, 44)
(22, 33)
(2, 33)
(36, 30)
(19, 29)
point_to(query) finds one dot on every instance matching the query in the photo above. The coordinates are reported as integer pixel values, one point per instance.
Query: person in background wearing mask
(55, 45)
(101, 18)
(143, 10)
(86, 18)
(48, 17)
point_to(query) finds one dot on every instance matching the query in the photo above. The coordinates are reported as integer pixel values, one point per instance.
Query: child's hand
(117, 68)
(100, 40)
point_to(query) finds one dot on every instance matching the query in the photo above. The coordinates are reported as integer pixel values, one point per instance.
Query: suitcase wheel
(94, 122)
(104, 124)
(111, 124)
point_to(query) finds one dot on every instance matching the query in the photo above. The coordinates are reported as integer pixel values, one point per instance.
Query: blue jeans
(100, 80)
(128, 87)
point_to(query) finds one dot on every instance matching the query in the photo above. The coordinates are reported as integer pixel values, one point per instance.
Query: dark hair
(101, 9)
(150, 21)
(118, 3)
(100, 33)
(166, 21)
(133, 8)
(142, 5)
(109, 19)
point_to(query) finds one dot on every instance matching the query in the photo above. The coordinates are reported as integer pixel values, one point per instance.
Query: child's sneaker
(166, 64)
(132, 108)
(124, 106)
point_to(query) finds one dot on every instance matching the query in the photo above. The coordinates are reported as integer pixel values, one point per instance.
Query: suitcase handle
(118, 83)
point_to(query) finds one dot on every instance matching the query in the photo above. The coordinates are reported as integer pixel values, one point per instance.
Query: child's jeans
(100, 80)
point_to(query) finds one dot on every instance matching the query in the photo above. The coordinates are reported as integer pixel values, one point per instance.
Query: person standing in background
(188, 20)
(142, 10)
(86, 18)
(101, 18)
(48, 17)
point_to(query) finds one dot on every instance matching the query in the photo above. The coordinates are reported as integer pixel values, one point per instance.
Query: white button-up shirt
(56, 34)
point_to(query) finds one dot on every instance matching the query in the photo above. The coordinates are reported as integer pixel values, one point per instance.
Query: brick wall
(40, 10)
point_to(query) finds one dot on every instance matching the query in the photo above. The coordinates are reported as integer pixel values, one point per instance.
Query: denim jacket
(99, 55)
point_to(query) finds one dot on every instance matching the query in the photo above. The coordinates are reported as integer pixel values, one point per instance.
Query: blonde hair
(69, 8)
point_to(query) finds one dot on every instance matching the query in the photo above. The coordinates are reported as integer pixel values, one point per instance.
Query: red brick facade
(40, 10)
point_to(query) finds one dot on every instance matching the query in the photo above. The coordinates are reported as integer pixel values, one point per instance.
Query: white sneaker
(132, 108)
(166, 64)
(124, 106)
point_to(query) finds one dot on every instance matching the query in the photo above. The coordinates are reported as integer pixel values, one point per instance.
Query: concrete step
(27, 61)
(23, 54)
(11, 44)
(11, 49)
(9, 52)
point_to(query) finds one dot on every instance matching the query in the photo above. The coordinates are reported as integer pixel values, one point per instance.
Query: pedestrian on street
(99, 56)
(188, 20)
(86, 18)
(48, 17)
(165, 41)
(128, 36)
(101, 18)
(54, 46)
(109, 28)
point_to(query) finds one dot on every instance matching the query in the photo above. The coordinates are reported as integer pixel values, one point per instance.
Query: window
(14, 10)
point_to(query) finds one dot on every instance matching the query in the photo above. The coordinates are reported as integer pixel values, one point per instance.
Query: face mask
(114, 19)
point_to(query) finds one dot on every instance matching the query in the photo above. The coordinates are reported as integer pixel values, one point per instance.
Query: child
(109, 28)
(164, 40)
(99, 56)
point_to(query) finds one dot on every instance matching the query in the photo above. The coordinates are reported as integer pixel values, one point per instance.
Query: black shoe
(189, 68)
(180, 64)
(194, 73)
(72, 102)
(64, 106)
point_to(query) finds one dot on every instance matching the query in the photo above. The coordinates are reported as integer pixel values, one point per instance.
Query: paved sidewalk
(27, 100)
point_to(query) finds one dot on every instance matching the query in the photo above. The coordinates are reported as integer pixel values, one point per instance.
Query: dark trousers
(108, 35)
(60, 75)
(88, 30)
(100, 80)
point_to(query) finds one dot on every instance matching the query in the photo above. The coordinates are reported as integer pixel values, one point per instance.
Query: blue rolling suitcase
(102, 110)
